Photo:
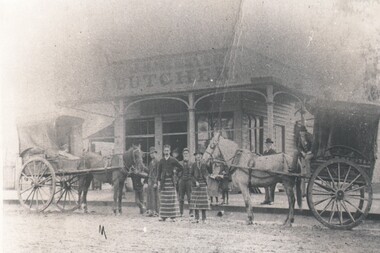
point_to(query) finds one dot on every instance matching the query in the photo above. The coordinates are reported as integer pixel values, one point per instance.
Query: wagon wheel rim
(36, 184)
(66, 194)
(340, 194)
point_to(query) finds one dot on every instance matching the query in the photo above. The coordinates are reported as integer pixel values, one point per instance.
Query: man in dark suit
(153, 196)
(304, 151)
(166, 176)
(269, 191)
(199, 194)
(184, 181)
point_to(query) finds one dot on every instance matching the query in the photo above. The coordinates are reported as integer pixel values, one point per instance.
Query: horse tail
(299, 192)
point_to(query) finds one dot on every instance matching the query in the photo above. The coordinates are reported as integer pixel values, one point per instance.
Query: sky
(50, 48)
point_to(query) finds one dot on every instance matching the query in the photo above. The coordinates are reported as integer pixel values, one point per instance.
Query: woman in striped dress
(199, 195)
(168, 198)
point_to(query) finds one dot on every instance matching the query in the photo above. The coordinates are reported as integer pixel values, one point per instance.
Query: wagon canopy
(49, 134)
(343, 123)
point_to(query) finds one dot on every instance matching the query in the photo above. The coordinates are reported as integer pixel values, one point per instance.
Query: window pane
(139, 127)
(174, 127)
(253, 127)
(203, 136)
(207, 123)
(202, 124)
(228, 134)
(151, 127)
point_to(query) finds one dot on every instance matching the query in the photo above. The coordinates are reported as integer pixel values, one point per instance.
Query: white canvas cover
(47, 135)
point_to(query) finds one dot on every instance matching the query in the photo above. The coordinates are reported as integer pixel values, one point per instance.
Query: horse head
(212, 151)
(133, 159)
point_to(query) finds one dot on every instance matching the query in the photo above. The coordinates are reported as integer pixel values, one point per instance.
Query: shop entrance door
(177, 142)
(175, 134)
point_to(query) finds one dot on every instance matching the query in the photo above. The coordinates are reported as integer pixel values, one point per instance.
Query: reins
(233, 168)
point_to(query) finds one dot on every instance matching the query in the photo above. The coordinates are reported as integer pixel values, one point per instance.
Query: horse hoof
(249, 222)
(287, 225)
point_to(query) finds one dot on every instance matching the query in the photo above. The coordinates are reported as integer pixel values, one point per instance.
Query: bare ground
(131, 232)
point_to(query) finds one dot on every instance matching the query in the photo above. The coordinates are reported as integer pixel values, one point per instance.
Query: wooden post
(119, 146)
(270, 111)
(158, 134)
(238, 121)
(191, 124)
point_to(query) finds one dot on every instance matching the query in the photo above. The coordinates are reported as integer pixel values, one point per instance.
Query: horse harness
(125, 169)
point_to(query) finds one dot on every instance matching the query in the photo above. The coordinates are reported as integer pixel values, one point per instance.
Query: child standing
(224, 184)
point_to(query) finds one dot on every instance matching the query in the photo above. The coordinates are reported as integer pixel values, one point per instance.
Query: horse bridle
(213, 145)
(231, 170)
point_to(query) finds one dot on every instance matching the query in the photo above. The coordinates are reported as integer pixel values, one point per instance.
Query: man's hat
(185, 150)
(152, 150)
(303, 129)
(268, 140)
(198, 152)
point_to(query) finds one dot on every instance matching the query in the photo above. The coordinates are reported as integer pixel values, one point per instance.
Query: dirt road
(131, 232)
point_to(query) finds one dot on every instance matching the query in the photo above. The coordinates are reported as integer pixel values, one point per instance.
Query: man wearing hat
(199, 195)
(269, 191)
(152, 197)
(304, 151)
(184, 181)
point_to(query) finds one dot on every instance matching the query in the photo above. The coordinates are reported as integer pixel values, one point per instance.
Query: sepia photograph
(190, 126)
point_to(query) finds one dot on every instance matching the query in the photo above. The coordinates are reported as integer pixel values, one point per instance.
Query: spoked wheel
(339, 194)
(36, 184)
(66, 194)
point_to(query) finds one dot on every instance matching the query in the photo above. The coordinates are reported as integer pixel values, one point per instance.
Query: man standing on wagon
(199, 195)
(168, 197)
(304, 150)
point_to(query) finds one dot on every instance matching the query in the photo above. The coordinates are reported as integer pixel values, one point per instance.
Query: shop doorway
(176, 142)
(175, 134)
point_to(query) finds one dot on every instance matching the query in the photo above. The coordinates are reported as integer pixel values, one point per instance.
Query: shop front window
(140, 131)
(253, 133)
(208, 123)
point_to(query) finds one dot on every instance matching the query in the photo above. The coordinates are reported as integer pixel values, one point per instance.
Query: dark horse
(266, 170)
(130, 162)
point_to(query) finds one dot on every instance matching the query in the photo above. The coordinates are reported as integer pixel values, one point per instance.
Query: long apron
(168, 200)
(199, 197)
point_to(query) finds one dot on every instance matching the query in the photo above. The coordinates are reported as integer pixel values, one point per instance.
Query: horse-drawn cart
(50, 172)
(346, 139)
(345, 164)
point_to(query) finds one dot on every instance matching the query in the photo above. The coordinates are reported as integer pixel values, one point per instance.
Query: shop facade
(182, 99)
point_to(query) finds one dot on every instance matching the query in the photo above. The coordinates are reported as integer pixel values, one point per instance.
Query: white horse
(262, 171)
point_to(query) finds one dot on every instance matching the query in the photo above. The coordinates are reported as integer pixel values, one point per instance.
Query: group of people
(169, 181)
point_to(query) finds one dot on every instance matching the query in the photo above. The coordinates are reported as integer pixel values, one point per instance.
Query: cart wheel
(36, 184)
(66, 194)
(339, 194)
